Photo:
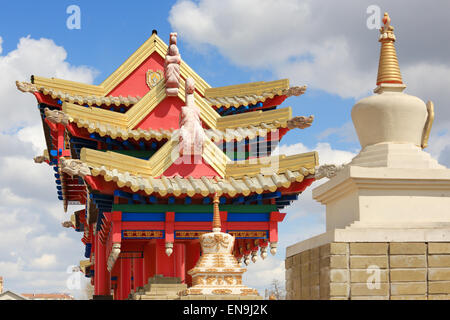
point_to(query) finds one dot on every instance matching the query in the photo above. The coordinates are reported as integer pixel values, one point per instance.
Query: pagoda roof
(132, 117)
(78, 99)
(235, 127)
(158, 163)
(76, 94)
(153, 44)
(241, 177)
(250, 93)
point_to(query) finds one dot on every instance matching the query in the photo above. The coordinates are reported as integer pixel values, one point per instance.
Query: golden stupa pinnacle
(216, 217)
(388, 69)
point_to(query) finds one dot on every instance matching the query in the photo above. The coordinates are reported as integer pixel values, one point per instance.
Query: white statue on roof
(192, 135)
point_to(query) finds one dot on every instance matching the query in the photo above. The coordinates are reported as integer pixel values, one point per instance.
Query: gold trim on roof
(132, 117)
(78, 99)
(254, 118)
(85, 264)
(153, 44)
(292, 169)
(157, 164)
(71, 87)
(281, 163)
(168, 154)
(244, 89)
(245, 100)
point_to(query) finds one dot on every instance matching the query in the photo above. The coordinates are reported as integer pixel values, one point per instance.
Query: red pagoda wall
(166, 115)
(135, 84)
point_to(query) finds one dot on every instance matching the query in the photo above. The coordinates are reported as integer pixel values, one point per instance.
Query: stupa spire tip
(388, 68)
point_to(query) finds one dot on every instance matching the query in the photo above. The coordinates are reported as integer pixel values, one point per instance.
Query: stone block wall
(377, 270)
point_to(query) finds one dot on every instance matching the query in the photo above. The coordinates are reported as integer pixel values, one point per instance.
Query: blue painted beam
(100, 196)
(229, 111)
(153, 199)
(239, 200)
(141, 216)
(122, 194)
(128, 145)
(289, 197)
(256, 197)
(139, 198)
(272, 195)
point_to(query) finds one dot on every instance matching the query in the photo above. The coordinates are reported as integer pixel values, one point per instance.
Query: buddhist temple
(148, 150)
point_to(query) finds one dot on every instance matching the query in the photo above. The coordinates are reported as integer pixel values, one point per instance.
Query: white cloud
(33, 240)
(260, 275)
(35, 136)
(345, 133)
(45, 261)
(431, 81)
(32, 57)
(324, 44)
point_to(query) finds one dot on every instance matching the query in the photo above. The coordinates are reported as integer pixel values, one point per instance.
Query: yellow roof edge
(95, 114)
(152, 44)
(67, 86)
(163, 159)
(254, 117)
(247, 88)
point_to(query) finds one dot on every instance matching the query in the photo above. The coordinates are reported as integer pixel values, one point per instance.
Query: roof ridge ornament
(172, 66)
(389, 76)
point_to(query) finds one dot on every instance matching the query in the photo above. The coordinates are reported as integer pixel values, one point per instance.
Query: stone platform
(370, 271)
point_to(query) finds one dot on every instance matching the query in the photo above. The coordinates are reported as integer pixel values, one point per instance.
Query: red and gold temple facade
(115, 149)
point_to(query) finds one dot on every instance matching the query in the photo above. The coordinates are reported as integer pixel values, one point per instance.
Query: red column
(101, 274)
(179, 250)
(115, 272)
(138, 273)
(192, 256)
(164, 264)
(149, 261)
(125, 278)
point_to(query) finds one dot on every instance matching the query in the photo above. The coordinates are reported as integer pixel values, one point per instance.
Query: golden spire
(216, 218)
(388, 69)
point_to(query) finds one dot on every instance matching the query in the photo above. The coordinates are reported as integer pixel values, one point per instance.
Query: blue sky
(110, 33)
(322, 44)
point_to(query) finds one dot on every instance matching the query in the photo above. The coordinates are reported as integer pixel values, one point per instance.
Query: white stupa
(392, 190)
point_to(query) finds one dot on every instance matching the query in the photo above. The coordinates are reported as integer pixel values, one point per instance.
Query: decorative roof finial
(388, 69)
(216, 218)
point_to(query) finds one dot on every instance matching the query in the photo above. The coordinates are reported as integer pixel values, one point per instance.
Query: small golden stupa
(388, 68)
(217, 272)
